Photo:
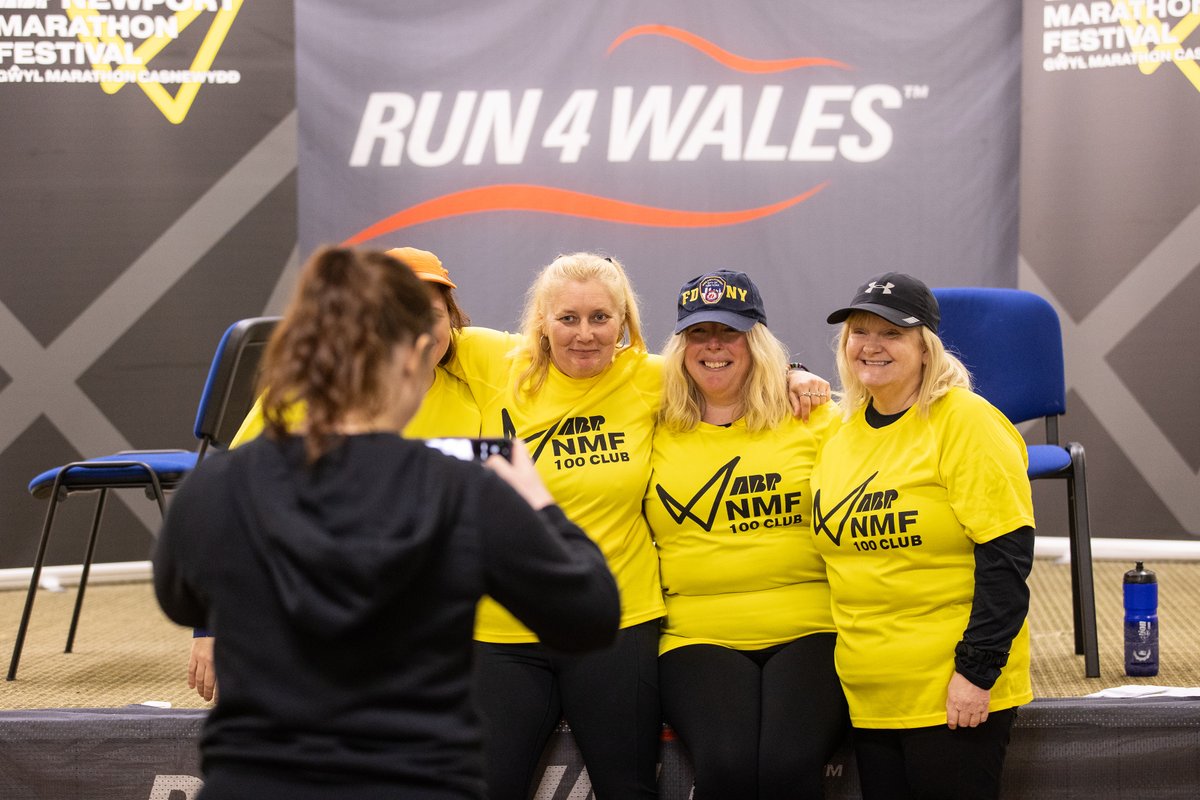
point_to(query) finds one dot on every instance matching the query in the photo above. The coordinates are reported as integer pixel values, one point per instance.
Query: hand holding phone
(520, 473)
(468, 449)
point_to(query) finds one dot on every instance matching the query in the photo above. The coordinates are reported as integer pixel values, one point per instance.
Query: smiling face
(583, 327)
(887, 358)
(717, 358)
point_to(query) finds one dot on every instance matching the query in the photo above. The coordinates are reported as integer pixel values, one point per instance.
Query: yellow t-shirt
(897, 512)
(448, 409)
(591, 440)
(730, 513)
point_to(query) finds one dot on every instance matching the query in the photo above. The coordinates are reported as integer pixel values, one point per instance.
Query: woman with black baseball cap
(746, 651)
(923, 513)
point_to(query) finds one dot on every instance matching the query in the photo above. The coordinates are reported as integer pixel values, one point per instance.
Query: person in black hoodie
(339, 568)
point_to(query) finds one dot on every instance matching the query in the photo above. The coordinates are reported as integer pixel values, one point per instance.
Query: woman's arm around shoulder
(806, 391)
(477, 351)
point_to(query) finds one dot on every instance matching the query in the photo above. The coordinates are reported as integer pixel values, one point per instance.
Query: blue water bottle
(1141, 622)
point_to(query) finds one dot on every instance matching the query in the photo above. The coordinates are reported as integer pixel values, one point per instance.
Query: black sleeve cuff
(980, 667)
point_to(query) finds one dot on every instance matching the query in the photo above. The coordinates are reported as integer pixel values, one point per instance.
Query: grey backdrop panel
(937, 197)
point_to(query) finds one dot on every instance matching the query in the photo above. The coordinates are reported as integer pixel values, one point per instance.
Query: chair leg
(1083, 589)
(87, 569)
(19, 644)
(160, 496)
(1072, 541)
(157, 493)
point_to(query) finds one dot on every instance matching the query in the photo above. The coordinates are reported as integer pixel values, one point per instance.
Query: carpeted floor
(126, 652)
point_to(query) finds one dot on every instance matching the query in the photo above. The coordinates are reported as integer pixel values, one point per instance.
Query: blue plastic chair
(227, 396)
(1011, 341)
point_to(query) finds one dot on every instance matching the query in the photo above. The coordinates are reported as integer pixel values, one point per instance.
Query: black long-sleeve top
(342, 598)
(998, 608)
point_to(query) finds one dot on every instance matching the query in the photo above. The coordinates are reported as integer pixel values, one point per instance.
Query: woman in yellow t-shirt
(578, 386)
(923, 513)
(746, 652)
(447, 409)
(580, 389)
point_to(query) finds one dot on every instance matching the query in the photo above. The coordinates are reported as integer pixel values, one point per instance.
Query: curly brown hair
(349, 310)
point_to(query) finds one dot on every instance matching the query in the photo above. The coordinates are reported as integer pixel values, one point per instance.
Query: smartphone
(468, 449)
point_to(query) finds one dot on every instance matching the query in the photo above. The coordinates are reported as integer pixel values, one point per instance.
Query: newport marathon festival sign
(804, 146)
(1145, 34)
(149, 172)
(113, 43)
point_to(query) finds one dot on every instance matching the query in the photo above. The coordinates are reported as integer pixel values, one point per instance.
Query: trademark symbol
(916, 91)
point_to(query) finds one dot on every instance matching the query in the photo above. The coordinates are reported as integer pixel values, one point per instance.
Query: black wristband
(796, 365)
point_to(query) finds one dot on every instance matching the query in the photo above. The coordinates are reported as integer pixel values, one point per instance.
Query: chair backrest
(229, 390)
(1011, 342)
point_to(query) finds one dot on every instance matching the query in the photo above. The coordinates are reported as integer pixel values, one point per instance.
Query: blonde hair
(573, 268)
(940, 373)
(764, 394)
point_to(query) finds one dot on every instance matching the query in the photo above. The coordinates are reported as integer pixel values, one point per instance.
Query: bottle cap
(1139, 574)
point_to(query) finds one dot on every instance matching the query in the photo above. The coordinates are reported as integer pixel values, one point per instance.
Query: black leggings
(934, 763)
(757, 723)
(608, 697)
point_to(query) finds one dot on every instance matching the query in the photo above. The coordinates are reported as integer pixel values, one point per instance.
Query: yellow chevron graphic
(174, 107)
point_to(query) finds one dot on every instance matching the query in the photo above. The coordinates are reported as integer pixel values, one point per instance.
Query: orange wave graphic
(550, 200)
(724, 57)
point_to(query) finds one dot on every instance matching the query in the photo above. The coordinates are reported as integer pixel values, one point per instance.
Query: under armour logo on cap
(887, 287)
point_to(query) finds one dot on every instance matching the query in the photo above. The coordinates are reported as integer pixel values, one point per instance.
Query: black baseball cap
(723, 296)
(900, 299)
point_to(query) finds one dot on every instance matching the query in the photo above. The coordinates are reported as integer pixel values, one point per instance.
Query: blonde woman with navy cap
(746, 652)
(923, 514)
(579, 387)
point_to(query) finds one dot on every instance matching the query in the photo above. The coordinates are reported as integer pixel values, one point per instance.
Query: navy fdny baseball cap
(900, 299)
(723, 296)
